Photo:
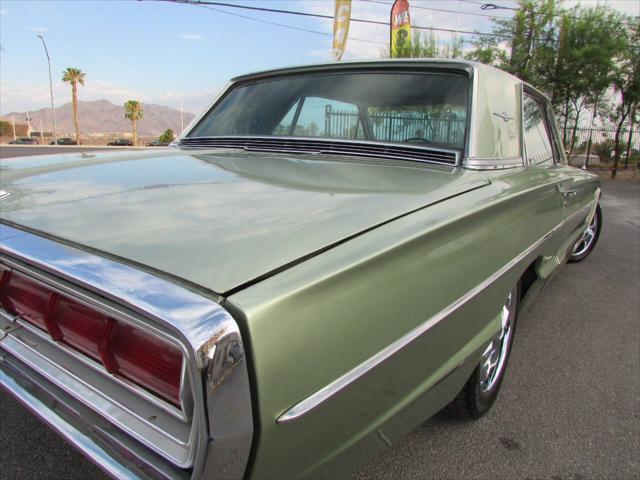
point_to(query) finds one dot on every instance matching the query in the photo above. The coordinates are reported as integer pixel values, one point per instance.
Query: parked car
(24, 141)
(64, 141)
(157, 143)
(121, 142)
(344, 252)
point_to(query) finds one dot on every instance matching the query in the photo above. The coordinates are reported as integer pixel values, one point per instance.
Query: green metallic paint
(314, 322)
(214, 218)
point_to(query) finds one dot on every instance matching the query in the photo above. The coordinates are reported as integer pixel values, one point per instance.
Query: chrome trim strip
(328, 141)
(55, 286)
(492, 163)
(201, 115)
(76, 438)
(324, 394)
(198, 323)
(473, 123)
(141, 429)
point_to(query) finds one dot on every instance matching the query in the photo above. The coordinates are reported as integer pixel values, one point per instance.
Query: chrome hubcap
(587, 238)
(494, 357)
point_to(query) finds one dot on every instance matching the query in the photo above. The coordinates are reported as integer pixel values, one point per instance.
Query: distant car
(120, 142)
(64, 141)
(157, 143)
(24, 141)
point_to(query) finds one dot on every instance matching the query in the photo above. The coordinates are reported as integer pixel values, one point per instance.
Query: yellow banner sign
(400, 24)
(341, 19)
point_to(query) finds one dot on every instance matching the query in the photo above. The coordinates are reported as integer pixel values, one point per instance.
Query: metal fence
(594, 148)
(388, 127)
(588, 148)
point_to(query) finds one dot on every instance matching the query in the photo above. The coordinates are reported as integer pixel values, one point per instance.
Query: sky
(173, 54)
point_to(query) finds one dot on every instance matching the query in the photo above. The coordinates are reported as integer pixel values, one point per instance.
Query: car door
(543, 153)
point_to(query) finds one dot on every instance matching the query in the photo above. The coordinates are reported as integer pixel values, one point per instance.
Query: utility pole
(13, 123)
(41, 133)
(181, 118)
(53, 115)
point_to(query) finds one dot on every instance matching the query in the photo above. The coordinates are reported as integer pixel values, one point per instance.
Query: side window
(321, 117)
(537, 141)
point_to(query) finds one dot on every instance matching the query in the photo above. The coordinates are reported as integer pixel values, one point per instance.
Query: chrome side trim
(492, 163)
(473, 122)
(324, 394)
(199, 324)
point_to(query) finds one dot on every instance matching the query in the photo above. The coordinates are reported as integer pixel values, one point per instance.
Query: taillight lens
(146, 360)
(124, 350)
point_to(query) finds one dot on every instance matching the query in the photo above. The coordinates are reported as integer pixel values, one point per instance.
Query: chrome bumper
(123, 430)
(93, 438)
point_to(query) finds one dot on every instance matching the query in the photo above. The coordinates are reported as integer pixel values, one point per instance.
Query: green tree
(626, 83)
(167, 136)
(590, 40)
(133, 111)
(426, 46)
(74, 76)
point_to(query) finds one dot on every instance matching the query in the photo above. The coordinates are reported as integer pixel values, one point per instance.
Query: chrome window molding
(210, 338)
(397, 151)
(473, 122)
(492, 163)
(324, 394)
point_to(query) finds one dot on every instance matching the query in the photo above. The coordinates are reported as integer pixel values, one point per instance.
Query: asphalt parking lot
(569, 406)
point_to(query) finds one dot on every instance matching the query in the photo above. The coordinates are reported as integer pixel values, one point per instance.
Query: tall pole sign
(341, 19)
(400, 26)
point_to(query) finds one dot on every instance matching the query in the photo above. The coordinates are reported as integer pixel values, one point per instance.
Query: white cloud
(191, 36)
(3, 12)
(37, 29)
(22, 97)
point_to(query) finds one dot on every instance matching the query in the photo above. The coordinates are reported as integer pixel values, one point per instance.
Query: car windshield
(418, 108)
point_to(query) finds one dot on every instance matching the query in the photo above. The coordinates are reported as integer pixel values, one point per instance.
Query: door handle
(565, 189)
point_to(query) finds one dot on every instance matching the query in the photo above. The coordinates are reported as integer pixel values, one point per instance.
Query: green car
(327, 257)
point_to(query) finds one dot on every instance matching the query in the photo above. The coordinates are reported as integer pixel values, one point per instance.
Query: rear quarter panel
(309, 325)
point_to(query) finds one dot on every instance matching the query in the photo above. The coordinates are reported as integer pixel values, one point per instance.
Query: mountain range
(102, 116)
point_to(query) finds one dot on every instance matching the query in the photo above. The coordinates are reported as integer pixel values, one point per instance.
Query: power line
(328, 17)
(283, 25)
(434, 9)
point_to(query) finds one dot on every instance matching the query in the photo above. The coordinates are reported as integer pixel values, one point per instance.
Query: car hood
(217, 218)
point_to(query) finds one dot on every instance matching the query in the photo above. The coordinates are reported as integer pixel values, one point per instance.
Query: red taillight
(146, 360)
(122, 349)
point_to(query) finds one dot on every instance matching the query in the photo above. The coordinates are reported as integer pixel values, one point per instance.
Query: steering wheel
(416, 140)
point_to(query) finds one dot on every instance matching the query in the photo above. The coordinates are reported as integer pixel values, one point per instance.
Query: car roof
(390, 63)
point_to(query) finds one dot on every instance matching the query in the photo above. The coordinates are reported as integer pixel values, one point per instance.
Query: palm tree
(133, 111)
(74, 76)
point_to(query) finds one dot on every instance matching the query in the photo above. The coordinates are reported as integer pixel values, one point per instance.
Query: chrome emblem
(504, 116)
(4, 194)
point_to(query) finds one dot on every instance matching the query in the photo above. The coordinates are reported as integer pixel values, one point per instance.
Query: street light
(53, 115)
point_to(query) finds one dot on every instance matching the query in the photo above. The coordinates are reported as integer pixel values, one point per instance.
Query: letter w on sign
(400, 24)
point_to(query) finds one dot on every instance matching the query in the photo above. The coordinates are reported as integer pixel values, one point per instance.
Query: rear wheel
(585, 245)
(481, 390)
